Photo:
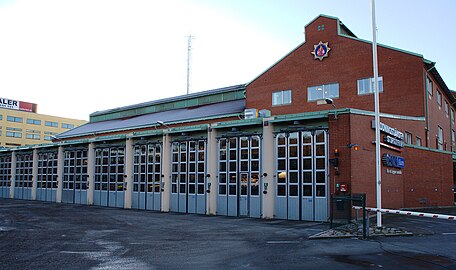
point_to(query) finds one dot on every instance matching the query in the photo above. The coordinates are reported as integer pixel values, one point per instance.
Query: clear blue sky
(74, 57)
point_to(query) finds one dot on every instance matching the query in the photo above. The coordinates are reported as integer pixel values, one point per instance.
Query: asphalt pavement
(40, 235)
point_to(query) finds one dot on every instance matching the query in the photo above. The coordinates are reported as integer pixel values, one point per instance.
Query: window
(408, 137)
(14, 134)
(418, 141)
(51, 124)
(322, 91)
(33, 121)
(439, 99)
(1, 117)
(446, 108)
(68, 126)
(452, 115)
(366, 86)
(429, 86)
(32, 136)
(439, 139)
(281, 98)
(14, 119)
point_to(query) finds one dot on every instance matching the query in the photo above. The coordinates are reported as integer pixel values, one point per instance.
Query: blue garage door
(301, 176)
(24, 176)
(47, 177)
(188, 176)
(75, 176)
(239, 182)
(5, 175)
(109, 176)
(147, 173)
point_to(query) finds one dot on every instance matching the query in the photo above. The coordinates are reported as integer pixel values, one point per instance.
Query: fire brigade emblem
(321, 50)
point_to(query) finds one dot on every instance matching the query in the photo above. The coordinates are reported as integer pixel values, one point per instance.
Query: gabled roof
(195, 99)
(342, 31)
(181, 115)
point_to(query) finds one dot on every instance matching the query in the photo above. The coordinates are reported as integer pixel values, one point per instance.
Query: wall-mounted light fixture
(330, 101)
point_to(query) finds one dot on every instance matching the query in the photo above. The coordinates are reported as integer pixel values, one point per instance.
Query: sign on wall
(17, 105)
(392, 136)
(321, 50)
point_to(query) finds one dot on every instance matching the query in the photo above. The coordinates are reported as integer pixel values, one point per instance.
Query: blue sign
(393, 161)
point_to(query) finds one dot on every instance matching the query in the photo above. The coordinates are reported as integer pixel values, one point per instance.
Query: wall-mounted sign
(17, 105)
(321, 50)
(393, 161)
(393, 136)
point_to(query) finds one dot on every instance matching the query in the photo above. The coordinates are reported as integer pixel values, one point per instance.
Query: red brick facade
(427, 178)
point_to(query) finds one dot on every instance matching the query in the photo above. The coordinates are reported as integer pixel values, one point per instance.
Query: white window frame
(361, 84)
(281, 98)
(326, 91)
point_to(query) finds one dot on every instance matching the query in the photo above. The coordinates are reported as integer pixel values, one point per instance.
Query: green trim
(430, 149)
(305, 116)
(382, 45)
(170, 104)
(387, 115)
(110, 137)
(156, 132)
(83, 141)
(237, 123)
(187, 128)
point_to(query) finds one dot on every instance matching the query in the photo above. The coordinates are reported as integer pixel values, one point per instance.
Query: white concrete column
(128, 178)
(268, 168)
(59, 175)
(166, 173)
(34, 173)
(212, 182)
(90, 173)
(13, 174)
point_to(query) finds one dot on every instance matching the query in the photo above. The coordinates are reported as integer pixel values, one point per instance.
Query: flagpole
(378, 172)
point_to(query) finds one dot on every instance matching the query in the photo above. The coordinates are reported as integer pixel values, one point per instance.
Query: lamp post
(161, 123)
(378, 173)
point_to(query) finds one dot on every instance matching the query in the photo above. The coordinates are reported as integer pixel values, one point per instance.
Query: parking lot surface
(39, 235)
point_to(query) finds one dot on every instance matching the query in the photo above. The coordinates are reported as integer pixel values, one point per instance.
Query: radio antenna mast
(189, 60)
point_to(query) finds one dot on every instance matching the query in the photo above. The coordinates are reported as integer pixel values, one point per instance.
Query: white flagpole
(378, 164)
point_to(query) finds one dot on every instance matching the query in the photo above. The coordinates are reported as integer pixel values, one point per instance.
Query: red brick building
(277, 147)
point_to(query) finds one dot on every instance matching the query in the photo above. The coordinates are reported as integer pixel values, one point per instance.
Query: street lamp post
(378, 173)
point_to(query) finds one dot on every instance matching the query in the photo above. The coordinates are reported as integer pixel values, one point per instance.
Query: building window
(452, 115)
(366, 86)
(439, 98)
(408, 137)
(439, 139)
(1, 117)
(33, 136)
(51, 124)
(429, 86)
(33, 121)
(68, 126)
(418, 141)
(281, 98)
(14, 134)
(14, 119)
(323, 91)
(446, 108)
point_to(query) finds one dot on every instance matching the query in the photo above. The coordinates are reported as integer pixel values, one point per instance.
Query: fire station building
(277, 147)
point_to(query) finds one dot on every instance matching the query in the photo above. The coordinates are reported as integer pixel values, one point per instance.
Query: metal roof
(203, 112)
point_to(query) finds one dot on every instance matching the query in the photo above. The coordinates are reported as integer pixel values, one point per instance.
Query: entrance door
(109, 176)
(47, 177)
(188, 176)
(24, 177)
(75, 176)
(147, 177)
(239, 177)
(5, 176)
(301, 176)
